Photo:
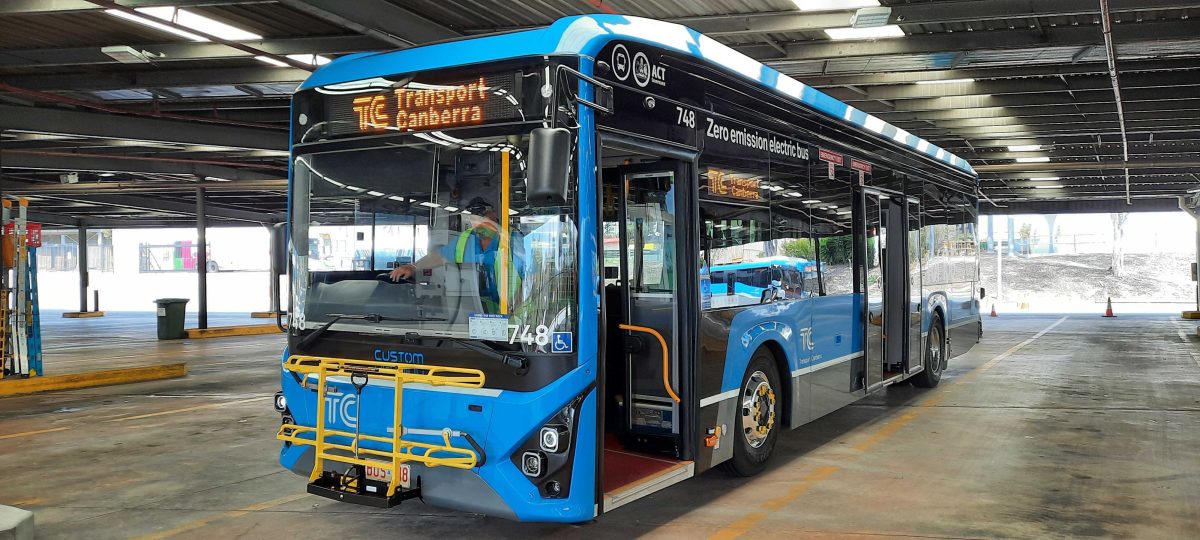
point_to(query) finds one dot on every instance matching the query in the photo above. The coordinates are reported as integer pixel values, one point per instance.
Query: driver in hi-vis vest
(478, 244)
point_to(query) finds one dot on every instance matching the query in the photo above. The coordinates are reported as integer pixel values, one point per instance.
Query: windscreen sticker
(487, 326)
(561, 342)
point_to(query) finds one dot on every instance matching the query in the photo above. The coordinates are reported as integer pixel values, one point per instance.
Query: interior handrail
(665, 360)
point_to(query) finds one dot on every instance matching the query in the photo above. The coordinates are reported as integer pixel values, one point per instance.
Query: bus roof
(585, 35)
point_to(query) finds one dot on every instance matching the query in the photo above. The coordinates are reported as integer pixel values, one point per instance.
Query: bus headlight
(550, 437)
(280, 402)
(533, 464)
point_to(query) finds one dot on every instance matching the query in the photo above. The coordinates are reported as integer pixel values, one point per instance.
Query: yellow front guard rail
(402, 451)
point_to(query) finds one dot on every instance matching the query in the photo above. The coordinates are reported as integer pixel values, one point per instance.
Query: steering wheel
(386, 277)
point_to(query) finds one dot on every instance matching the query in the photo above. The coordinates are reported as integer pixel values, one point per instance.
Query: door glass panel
(648, 243)
(876, 241)
(914, 285)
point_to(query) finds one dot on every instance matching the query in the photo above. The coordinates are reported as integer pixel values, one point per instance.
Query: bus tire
(934, 355)
(759, 403)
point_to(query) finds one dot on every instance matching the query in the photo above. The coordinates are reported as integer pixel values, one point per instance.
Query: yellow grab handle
(666, 364)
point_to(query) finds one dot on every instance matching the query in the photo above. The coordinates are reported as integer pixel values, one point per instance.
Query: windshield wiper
(373, 318)
(519, 363)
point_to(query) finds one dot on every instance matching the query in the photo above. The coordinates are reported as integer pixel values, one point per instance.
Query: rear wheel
(758, 416)
(935, 354)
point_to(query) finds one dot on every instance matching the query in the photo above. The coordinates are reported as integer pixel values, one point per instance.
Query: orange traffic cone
(993, 310)
(1108, 311)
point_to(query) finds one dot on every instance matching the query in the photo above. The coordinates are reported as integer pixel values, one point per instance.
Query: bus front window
(433, 237)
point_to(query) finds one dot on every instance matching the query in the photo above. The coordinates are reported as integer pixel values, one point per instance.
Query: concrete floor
(1052, 427)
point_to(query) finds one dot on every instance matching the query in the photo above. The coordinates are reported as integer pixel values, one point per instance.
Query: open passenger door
(647, 270)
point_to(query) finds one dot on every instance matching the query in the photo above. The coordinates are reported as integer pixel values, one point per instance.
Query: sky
(1145, 232)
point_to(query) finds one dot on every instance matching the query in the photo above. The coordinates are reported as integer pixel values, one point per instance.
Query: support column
(992, 233)
(201, 260)
(82, 261)
(1012, 237)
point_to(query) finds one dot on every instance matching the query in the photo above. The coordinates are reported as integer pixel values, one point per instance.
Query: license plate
(383, 474)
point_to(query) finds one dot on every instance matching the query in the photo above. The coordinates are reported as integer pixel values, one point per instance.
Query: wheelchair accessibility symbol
(560, 342)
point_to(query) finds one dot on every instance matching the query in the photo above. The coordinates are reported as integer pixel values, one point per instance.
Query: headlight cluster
(281, 407)
(545, 457)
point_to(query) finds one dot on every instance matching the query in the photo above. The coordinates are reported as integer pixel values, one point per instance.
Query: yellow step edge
(89, 379)
(230, 331)
(82, 314)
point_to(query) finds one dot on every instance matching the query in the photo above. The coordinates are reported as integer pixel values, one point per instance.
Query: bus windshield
(431, 234)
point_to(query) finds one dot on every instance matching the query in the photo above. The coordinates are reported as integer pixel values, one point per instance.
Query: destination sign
(421, 103)
(735, 186)
(424, 107)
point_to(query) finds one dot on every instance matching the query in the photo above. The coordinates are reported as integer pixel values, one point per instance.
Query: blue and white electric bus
(502, 364)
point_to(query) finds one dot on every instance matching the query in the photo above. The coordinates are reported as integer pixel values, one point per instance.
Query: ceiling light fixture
(1025, 148)
(833, 5)
(886, 31)
(186, 19)
(128, 55)
(947, 81)
(1042, 159)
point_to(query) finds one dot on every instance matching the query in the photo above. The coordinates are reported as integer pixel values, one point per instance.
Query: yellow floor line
(29, 433)
(193, 525)
(186, 409)
(884, 431)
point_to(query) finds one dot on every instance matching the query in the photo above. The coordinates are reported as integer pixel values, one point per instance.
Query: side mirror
(549, 166)
(982, 293)
(279, 255)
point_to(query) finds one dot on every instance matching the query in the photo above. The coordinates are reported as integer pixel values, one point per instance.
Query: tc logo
(345, 407)
(806, 339)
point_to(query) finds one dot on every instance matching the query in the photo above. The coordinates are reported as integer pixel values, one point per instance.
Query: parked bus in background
(546, 218)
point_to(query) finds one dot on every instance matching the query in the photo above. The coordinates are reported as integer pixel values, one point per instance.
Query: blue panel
(586, 35)
(832, 320)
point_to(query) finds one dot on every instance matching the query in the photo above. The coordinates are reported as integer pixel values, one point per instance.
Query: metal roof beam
(379, 19)
(1163, 204)
(1155, 163)
(159, 78)
(1002, 72)
(1080, 83)
(924, 13)
(1038, 111)
(60, 161)
(1064, 117)
(88, 124)
(1057, 36)
(191, 51)
(1056, 99)
(24, 7)
(157, 204)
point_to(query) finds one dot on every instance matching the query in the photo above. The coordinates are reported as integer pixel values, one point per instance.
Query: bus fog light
(533, 464)
(280, 402)
(551, 438)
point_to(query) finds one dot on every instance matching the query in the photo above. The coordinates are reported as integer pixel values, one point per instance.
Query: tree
(1118, 247)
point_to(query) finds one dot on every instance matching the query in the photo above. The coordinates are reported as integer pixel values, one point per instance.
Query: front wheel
(758, 416)
(935, 354)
